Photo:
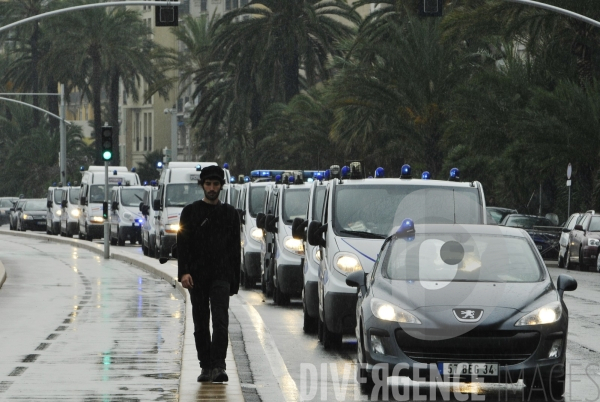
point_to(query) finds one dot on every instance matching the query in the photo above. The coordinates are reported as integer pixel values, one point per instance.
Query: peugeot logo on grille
(468, 314)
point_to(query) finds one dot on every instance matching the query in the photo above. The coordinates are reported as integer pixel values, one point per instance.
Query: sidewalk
(189, 389)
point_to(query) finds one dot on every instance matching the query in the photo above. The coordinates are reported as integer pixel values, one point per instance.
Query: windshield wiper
(366, 235)
(138, 197)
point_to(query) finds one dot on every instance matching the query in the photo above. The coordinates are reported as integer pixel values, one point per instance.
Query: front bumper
(311, 298)
(95, 230)
(589, 254)
(340, 312)
(520, 353)
(34, 224)
(252, 264)
(130, 232)
(289, 278)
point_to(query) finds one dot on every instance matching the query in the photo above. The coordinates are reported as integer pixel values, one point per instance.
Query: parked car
(15, 211)
(499, 213)
(69, 218)
(573, 220)
(462, 301)
(6, 203)
(543, 231)
(584, 242)
(148, 228)
(32, 215)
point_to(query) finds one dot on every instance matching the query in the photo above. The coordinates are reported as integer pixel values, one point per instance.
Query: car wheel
(120, 239)
(310, 323)
(320, 329)
(364, 378)
(144, 249)
(151, 250)
(331, 340)
(283, 299)
(561, 261)
(248, 281)
(113, 240)
(582, 265)
(263, 285)
(568, 264)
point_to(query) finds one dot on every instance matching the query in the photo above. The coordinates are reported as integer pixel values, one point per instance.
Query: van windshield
(97, 192)
(74, 195)
(318, 200)
(6, 203)
(378, 209)
(58, 194)
(181, 194)
(257, 200)
(295, 204)
(131, 197)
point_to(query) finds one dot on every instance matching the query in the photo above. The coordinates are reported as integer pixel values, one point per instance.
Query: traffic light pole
(106, 222)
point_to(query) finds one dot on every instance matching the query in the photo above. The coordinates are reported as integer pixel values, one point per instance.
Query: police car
(69, 211)
(126, 219)
(54, 200)
(359, 214)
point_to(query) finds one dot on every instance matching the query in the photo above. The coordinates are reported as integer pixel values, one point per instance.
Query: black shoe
(204, 375)
(219, 375)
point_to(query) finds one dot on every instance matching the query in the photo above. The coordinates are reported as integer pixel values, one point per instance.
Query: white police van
(148, 229)
(177, 187)
(53, 201)
(70, 211)
(126, 219)
(359, 214)
(91, 197)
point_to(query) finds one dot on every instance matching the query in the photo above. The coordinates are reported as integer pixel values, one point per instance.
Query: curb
(187, 365)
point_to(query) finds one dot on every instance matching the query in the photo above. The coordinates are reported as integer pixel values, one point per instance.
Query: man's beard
(212, 195)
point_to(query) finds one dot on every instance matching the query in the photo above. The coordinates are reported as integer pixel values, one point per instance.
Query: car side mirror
(578, 227)
(115, 205)
(83, 200)
(566, 230)
(314, 234)
(157, 205)
(271, 223)
(298, 228)
(565, 283)
(49, 204)
(20, 209)
(260, 220)
(63, 203)
(242, 215)
(12, 210)
(141, 207)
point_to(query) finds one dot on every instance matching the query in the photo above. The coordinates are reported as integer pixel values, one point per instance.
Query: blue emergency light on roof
(265, 173)
(145, 182)
(454, 174)
(198, 168)
(291, 179)
(318, 176)
(153, 183)
(425, 175)
(69, 183)
(54, 184)
(379, 173)
(405, 172)
(345, 171)
(246, 179)
(327, 174)
(232, 179)
(159, 165)
(278, 178)
(226, 165)
(119, 184)
(114, 172)
(133, 169)
(406, 229)
(81, 168)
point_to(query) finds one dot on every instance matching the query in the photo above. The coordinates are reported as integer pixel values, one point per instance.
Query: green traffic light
(107, 155)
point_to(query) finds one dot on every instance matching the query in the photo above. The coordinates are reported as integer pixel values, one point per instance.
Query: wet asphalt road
(76, 327)
(282, 356)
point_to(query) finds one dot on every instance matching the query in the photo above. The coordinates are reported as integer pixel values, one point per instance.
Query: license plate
(479, 369)
(195, 176)
(41, 223)
(539, 246)
(136, 224)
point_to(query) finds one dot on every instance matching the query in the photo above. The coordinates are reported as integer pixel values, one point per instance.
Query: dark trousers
(210, 297)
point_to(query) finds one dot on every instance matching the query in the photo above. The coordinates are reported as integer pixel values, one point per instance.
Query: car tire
(113, 240)
(282, 299)
(582, 265)
(247, 280)
(120, 239)
(330, 340)
(561, 260)
(144, 249)
(568, 264)
(364, 378)
(597, 263)
(310, 324)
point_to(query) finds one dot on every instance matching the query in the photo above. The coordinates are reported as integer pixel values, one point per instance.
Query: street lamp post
(173, 112)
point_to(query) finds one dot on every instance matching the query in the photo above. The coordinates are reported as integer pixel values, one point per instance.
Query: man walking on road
(208, 243)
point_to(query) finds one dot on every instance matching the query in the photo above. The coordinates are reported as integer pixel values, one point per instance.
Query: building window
(203, 6)
(136, 132)
(146, 131)
(227, 5)
(243, 2)
(235, 4)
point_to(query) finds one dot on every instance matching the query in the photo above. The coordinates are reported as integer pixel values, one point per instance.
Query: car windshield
(131, 197)
(318, 200)
(295, 202)
(378, 209)
(527, 222)
(181, 194)
(35, 205)
(595, 224)
(74, 195)
(461, 257)
(58, 194)
(97, 192)
(6, 204)
(499, 214)
(257, 200)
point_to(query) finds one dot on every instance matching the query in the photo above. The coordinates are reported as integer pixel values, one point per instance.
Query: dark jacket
(208, 243)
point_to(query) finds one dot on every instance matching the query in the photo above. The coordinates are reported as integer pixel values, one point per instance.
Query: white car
(359, 214)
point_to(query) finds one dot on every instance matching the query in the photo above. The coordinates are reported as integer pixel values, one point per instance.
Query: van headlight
(75, 213)
(172, 227)
(347, 263)
(317, 254)
(389, 312)
(58, 213)
(293, 245)
(256, 234)
(97, 219)
(127, 216)
(544, 315)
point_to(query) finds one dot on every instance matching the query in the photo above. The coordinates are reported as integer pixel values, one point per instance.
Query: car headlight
(347, 263)
(75, 213)
(389, 312)
(97, 219)
(58, 213)
(593, 242)
(256, 234)
(544, 315)
(127, 216)
(25, 216)
(317, 254)
(172, 227)
(293, 245)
